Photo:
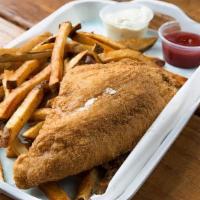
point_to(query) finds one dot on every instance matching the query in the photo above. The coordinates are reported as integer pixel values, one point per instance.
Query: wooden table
(177, 177)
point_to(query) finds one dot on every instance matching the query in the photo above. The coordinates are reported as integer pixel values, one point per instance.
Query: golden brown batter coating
(75, 138)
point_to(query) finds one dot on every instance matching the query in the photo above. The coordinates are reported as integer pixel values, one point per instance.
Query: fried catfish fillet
(101, 112)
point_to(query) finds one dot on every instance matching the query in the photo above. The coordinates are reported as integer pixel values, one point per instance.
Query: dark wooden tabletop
(177, 177)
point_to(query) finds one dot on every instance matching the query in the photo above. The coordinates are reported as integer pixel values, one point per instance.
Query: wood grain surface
(26, 13)
(177, 177)
(8, 31)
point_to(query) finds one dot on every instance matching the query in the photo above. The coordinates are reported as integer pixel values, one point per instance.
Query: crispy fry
(1, 173)
(81, 38)
(139, 44)
(87, 185)
(26, 69)
(75, 29)
(75, 47)
(30, 44)
(10, 152)
(128, 53)
(75, 61)
(111, 168)
(6, 76)
(107, 41)
(8, 106)
(21, 115)
(22, 73)
(9, 66)
(18, 147)
(50, 39)
(8, 51)
(118, 55)
(53, 191)
(1, 93)
(44, 47)
(24, 56)
(57, 62)
(33, 132)
(40, 114)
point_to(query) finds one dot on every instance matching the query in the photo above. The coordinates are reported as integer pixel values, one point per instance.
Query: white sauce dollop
(130, 18)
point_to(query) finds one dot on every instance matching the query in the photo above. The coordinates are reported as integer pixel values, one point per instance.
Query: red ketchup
(178, 55)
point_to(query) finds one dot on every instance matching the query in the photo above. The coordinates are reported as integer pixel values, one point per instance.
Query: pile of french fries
(30, 77)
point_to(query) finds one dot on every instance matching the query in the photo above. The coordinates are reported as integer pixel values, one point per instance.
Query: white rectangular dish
(86, 13)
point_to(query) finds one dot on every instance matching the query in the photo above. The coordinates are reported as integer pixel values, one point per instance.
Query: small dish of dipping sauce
(180, 48)
(126, 20)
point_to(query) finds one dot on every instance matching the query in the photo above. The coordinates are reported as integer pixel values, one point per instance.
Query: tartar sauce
(131, 18)
(124, 21)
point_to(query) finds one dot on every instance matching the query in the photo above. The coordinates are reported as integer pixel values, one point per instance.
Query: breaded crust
(90, 125)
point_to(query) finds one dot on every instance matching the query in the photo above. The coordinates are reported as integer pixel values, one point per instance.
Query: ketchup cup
(175, 54)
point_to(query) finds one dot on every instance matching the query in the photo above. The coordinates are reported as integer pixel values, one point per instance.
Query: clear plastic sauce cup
(180, 48)
(126, 20)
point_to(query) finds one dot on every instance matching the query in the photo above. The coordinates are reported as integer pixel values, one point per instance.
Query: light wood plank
(8, 31)
(19, 13)
(177, 177)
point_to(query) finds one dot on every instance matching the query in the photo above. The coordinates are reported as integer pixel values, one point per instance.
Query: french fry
(1, 93)
(9, 66)
(74, 61)
(84, 39)
(139, 44)
(33, 131)
(50, 39)
(53, 191)
(26, 69)
(107, 41)
(10, 152)
(22, 73)
(40, 114)
(26, 47)
(75, 29)
(8, 51)
(44, 47)
(8, 106)
(24, 56)
(6, 76)
(75, 47)
(111, 168)
(30, 44)
(57, 62)
(18, 147)
(21, 115)
(87, 185)
(118, 55)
